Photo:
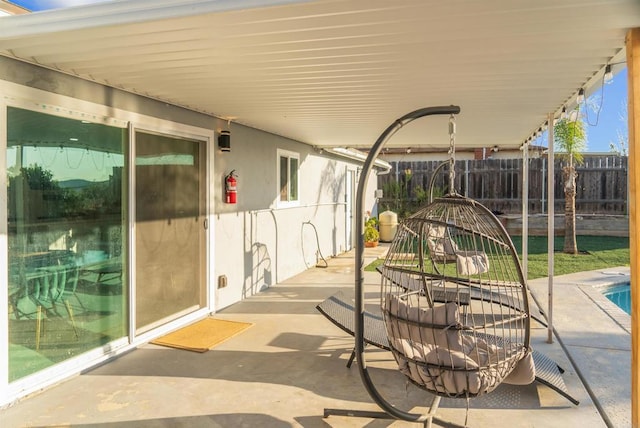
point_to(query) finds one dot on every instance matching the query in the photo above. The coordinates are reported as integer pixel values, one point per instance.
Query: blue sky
(613, 113)
(51, 4)
(606, 106)
(605, 115)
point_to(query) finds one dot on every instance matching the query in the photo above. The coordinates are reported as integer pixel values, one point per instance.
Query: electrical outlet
(222, 281)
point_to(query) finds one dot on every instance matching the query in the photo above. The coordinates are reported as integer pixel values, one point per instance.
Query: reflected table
(104, 271)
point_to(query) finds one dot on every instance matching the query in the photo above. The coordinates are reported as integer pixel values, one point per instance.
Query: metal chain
(452, 154)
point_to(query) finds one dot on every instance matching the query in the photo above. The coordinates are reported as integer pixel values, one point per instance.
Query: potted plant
(371, 234)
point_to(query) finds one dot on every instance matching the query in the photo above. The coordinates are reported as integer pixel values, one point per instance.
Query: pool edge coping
(595, 294)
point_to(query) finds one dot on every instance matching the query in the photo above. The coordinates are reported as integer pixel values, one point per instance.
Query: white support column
(550, 226)
(544, 184)
(466, 178)
(525, 209)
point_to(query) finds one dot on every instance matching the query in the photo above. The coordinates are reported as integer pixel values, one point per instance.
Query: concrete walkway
(596, 335)
(290, 365)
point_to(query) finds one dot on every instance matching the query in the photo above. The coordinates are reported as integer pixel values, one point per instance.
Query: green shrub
(371, 233)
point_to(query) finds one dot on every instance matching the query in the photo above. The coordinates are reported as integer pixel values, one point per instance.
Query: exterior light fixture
(580, 98)
(573, 116)
(608, 75)
(563, 114)
(224, 141)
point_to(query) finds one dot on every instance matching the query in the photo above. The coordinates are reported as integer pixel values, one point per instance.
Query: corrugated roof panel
(337, 72)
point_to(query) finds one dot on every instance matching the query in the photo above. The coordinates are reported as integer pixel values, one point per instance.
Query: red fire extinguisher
(231, 189)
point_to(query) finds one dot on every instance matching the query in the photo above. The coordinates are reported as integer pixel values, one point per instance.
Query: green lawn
(596, 252)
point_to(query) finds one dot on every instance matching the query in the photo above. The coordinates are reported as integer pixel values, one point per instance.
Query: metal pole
(525, 209)
(544, 183)
(359, 271)
(550, 228)
(466, 178)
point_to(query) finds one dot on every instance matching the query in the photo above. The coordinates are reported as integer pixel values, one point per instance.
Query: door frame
(207, 296)
(351, 180)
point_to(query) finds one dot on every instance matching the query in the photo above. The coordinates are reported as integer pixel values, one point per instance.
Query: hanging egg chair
(454, 300)
(453, 295)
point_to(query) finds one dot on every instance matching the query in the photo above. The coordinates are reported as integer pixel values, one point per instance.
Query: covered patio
(291, 365)
(331, 75)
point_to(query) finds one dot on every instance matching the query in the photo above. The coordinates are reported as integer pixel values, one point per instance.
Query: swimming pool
(620, 295)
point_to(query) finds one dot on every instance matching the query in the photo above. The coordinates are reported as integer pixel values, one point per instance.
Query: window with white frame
(288, 166)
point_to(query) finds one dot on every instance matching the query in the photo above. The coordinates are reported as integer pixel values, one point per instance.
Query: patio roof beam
(633, 64)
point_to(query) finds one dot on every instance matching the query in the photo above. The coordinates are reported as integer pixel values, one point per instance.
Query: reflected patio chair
(53, 284)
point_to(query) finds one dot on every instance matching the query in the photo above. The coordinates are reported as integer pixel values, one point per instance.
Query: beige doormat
(202, 335)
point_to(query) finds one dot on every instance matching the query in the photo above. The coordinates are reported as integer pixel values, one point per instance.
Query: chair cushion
(524, 373)
(472, 262)
(412, 319)
(431, 350)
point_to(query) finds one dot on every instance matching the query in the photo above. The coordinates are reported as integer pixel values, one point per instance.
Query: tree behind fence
(497, 184)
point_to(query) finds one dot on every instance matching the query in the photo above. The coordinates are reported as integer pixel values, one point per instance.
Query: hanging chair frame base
(428, 417)
(340, 311)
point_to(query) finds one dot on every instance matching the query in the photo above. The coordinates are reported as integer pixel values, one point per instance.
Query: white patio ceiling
(338, 72)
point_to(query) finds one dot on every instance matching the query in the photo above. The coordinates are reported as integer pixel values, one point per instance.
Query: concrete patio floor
(290, 365)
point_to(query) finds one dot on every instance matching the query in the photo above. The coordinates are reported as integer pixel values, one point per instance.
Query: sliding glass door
(66, 211)
(169, 228)
(68, 242)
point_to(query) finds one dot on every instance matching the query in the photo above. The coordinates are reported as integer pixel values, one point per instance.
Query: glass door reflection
(66, 222)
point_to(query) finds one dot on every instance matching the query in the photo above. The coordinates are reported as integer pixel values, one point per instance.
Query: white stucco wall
(257, 243)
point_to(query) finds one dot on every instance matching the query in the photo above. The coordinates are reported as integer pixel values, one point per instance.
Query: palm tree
(571, 139)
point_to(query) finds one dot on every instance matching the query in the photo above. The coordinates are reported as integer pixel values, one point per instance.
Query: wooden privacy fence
(497, 183)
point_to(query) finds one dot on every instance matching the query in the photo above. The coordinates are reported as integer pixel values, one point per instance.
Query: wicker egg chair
(454, 301)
